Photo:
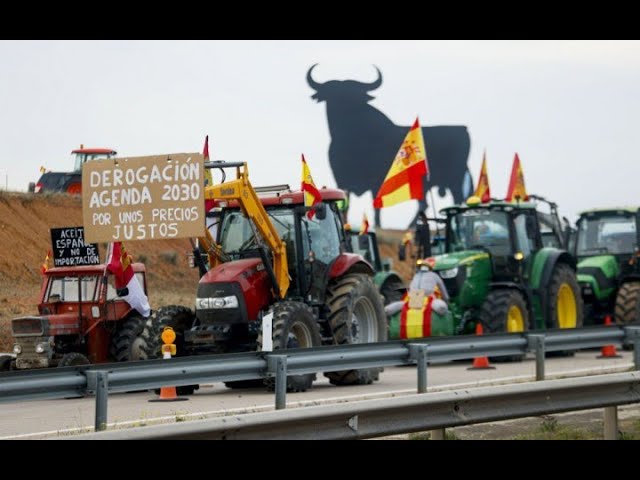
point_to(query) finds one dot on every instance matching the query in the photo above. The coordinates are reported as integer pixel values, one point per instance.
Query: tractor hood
(45, 325)
(597, 275)
(448, 261)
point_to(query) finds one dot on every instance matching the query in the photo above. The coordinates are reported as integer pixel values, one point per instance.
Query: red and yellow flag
(125, 280)
(482, 190)
(45, 265)
(311, 193)
(416, 323)
(517, 190)
(365, 224)
(405, 180)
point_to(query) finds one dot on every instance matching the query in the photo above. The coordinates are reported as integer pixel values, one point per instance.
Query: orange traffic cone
(168, 394)
(480, 363)
(608, 351)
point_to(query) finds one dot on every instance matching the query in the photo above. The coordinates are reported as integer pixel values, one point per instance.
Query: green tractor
(499, 273)
(389, 283)
(608, 253)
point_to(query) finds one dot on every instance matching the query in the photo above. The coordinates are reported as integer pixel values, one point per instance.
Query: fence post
(418, 352)
(277, 365)
(98, 384)
(611, 423)
(536, 343)
(632, 335)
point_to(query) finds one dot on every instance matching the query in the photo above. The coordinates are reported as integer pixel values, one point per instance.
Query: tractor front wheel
(180, 319)
(505, 311)
(128, 343)
(356, 316)
(294, 326)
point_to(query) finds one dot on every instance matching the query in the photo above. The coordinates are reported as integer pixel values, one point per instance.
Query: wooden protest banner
(143, 198)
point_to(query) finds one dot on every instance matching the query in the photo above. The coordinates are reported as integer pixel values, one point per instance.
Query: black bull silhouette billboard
(364, 142)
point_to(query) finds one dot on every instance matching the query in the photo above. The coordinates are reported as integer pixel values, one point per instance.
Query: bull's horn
(377, 83)
(312, 83)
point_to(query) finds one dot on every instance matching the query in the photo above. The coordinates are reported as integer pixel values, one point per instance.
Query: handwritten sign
(69, 248)
(143, 198)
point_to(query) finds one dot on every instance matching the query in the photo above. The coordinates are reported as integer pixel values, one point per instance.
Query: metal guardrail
(414, 413)
(102, 379)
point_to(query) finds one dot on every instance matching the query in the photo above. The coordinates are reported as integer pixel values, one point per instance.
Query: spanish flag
(311, 193)
(482, 190)
(45, 265)
(405, 180)
(365, 224)
(517, 190)
(416, 323)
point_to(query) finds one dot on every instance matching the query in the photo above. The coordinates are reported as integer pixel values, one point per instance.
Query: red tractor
(272, 260)
(81, 320)
(70, 182)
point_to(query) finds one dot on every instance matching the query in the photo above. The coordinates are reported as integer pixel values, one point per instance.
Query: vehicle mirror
(363, 242)
(321, 210)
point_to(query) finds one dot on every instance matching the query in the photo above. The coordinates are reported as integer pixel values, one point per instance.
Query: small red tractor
(70, 182)
(80, 320)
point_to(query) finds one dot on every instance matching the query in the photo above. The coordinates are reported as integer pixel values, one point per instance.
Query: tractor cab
(502, 233)
(83, 155)
(607, 248)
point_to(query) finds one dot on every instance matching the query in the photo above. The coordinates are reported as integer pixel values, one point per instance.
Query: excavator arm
(242, 191)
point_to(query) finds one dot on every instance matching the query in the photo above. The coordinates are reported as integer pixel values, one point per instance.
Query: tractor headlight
(450, 273)
(41, 347)
(216, 302)
(17, 349)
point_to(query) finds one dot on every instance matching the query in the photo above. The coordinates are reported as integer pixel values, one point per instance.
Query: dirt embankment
(25, 220)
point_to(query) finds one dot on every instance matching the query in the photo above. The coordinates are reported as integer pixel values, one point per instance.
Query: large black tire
(180, 319)
(566, 308)
(565, 300)
(73, 359)
(356, 315)
(505, 311)
(627, 311)
(128, 343)
(294, 326)
(5, 363)
(392, 290)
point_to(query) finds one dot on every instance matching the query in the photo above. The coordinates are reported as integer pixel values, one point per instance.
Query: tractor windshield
(236, 233)
(80, 158)
(73, 289)
(612, 234)
(484, 229)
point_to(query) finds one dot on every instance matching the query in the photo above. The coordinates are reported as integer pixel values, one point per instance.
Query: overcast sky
(571, 109)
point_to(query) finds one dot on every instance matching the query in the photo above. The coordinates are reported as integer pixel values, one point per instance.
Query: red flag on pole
(517, 190)
(126, 282)
(482, 190)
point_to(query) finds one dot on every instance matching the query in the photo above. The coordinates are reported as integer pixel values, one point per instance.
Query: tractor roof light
(473, 201)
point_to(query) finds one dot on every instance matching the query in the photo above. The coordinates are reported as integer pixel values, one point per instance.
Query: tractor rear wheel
(128, 343)
(565, 300)
(294, 326)
(180, 319)
(565, 303)
(505, 311)
(627, 310)
(356, 315)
